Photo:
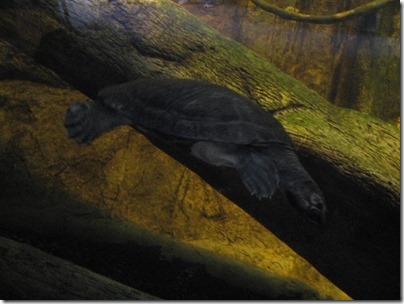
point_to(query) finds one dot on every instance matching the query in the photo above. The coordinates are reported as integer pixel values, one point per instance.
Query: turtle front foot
(79, 122)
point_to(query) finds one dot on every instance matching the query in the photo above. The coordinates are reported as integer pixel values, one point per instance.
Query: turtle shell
(194, 110)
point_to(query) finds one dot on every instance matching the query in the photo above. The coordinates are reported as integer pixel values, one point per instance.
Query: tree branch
(293, 14)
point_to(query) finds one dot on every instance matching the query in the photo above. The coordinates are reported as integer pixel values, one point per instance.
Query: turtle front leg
(84, 121)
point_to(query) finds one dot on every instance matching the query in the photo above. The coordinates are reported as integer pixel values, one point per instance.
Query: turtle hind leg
(259, 174)
(85, 121)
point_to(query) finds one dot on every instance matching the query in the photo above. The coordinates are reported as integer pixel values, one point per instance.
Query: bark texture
(354, 157)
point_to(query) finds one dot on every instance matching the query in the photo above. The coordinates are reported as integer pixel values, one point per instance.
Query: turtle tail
(85, 121)
(259, 174)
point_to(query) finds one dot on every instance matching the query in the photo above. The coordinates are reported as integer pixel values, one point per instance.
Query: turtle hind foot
(259, 174)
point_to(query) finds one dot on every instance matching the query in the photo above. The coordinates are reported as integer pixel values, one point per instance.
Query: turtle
(223, 128)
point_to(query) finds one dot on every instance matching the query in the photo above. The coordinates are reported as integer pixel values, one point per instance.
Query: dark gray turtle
(225, 129)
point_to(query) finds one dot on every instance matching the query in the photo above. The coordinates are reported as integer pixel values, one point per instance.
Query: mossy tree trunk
(354, 157)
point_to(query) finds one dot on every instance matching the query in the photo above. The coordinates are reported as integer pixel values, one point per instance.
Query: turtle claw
(78, 122)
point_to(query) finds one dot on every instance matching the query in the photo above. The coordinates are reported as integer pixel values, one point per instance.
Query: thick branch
(292, 14)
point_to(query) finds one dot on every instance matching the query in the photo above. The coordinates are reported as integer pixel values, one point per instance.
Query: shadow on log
(353, 157)
(76, 231)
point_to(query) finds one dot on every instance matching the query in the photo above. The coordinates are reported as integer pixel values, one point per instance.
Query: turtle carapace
(224, 128)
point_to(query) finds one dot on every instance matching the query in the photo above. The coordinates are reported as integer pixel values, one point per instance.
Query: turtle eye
(296, 201)
(316, 201)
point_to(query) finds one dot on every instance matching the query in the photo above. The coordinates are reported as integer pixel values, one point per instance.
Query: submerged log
(28, 273)
(95, 44)
(354, 157)
(49, 186)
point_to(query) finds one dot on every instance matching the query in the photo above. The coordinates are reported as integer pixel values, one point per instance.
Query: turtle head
(308, 199)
